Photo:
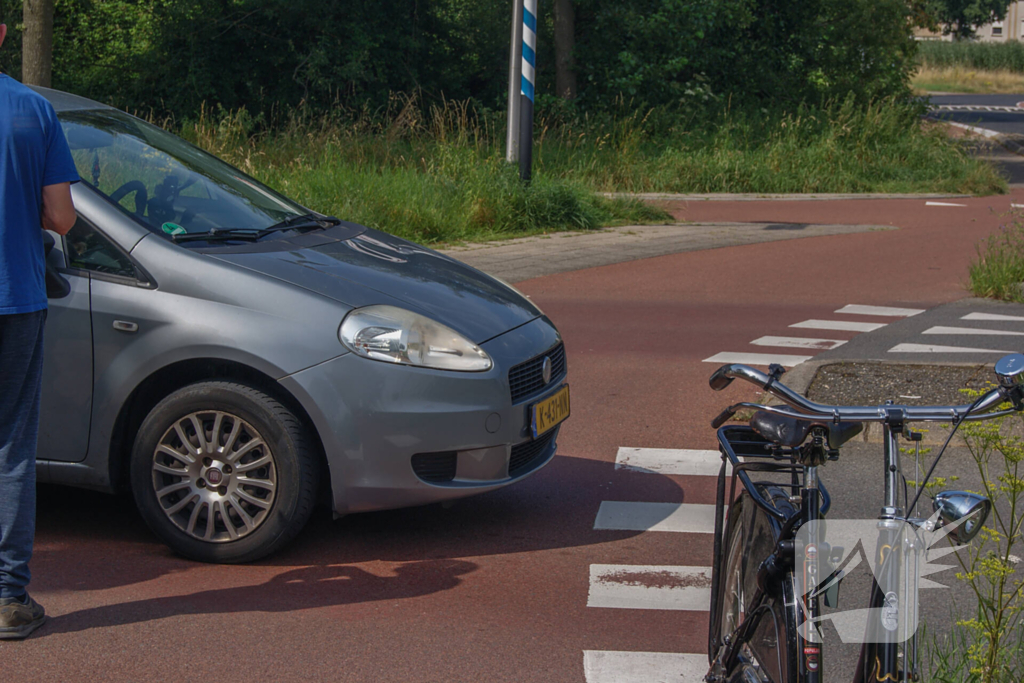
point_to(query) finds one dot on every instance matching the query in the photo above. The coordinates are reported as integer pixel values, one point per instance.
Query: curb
(1003, 140)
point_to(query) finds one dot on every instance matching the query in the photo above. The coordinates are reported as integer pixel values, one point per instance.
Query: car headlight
(395, 335)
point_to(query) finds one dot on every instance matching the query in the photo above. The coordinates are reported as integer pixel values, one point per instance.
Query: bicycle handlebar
(727, 373)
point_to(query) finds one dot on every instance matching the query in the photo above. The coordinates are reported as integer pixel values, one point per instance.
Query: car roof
(62, 101)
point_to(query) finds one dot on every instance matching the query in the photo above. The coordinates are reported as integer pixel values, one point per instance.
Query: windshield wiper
(307, 221)
(219, 235)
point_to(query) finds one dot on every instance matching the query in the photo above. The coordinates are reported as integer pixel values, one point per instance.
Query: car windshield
(164, 182)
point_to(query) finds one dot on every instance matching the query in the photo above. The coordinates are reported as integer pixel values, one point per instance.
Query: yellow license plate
(550, 412)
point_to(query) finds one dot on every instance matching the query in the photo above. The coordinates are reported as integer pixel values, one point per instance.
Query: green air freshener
(173, 229)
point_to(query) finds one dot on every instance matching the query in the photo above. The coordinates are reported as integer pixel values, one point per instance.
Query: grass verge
(439, 175)
(967, 80)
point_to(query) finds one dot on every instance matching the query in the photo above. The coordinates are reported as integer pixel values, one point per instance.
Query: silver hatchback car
(232, 356)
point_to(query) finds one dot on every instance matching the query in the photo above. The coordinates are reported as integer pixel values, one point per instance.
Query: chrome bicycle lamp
(1010, 370)
(965, 512)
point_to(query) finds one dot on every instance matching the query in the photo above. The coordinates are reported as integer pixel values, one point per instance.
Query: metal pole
(515, 75)
(529, 65)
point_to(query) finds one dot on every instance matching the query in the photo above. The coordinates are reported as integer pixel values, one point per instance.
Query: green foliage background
(172, 56)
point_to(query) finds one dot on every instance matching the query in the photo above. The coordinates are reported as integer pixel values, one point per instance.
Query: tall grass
(839, 148)
(998, 271)
(438, 174)
(1008, 56)
(434, 176)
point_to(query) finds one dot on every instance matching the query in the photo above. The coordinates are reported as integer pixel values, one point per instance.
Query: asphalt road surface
(587, 571)
(993, 112)
(998, 113)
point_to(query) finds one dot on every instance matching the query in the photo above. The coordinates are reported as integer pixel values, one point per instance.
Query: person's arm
(58, 209)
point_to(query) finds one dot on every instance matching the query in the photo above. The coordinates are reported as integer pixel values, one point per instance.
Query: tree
(960, 17)
(37, 43)
(565, 41)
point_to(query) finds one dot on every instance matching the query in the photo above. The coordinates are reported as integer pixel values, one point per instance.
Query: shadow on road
(307, 587)
(89, 541)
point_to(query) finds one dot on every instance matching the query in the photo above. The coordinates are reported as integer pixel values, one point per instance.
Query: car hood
(376, 268)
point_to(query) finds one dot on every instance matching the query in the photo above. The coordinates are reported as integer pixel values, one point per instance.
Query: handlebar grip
(719, 380)
(722, 418)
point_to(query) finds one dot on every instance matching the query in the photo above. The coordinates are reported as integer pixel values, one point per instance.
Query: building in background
(1010, 28)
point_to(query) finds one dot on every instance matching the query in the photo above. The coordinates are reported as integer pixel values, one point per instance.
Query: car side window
(88, 249)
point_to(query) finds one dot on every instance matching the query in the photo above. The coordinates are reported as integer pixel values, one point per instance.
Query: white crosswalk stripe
(993, 316)
(683, 462)
(626, 586)
(798, 342)
(935, 348)
(689, 518)
(844, 325)
(757, 358)
(659, 587)
(884, 311)
(612, 666)
(971, 330)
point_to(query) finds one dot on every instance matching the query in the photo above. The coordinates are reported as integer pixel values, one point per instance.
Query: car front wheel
(222, 472)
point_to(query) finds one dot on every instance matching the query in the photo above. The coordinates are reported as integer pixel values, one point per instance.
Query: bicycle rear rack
(747, 452)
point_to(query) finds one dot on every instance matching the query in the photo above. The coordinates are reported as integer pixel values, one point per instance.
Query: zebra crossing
(653, 587)
(970, 336)
(999, 342)
(847, 320)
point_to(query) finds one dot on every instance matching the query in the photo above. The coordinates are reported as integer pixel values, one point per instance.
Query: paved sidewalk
(529, 257)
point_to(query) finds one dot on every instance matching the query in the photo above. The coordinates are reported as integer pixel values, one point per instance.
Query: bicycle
(773, 568)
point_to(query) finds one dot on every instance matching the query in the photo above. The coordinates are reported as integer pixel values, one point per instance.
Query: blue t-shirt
(33, 154)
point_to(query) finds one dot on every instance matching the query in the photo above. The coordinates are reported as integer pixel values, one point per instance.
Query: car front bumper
(373, 417)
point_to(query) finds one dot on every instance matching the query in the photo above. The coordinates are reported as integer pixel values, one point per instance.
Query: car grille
(527, 379)
(525, 455)
(435, 467)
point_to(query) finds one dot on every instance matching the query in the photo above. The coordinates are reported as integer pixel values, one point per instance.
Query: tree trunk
(565, 40)
(37, 43)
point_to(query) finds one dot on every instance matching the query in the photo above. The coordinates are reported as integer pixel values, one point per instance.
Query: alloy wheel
(214, 476)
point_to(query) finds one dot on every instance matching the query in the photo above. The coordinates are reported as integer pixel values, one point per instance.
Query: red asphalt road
(495, 588)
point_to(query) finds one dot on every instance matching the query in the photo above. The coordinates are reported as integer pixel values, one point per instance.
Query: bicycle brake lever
(775, 371)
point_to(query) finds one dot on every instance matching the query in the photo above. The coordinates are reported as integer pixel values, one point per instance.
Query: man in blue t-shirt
(36, 172)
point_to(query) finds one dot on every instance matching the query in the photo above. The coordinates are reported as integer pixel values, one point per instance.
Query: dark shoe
(19, 619)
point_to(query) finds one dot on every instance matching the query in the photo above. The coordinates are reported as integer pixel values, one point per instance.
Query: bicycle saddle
(790, 432)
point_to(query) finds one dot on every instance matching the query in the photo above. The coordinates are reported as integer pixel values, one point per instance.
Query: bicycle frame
(879, 662)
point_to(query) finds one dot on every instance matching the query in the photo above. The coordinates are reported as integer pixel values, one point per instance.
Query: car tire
(233, 498)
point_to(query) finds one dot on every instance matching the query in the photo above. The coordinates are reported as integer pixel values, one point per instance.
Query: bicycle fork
(893, 614)
(809, 642)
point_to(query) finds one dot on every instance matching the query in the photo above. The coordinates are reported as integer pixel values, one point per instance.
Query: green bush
(172, 56)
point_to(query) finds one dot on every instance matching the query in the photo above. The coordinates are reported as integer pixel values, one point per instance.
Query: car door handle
(126, 326)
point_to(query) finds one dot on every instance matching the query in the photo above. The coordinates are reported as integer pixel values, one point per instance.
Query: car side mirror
(57, 287)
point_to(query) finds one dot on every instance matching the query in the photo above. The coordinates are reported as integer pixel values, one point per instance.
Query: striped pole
(526, 90)
(515, 75)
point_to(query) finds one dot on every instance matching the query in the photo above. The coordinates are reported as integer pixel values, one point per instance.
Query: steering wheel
(161, 206)
(141, 196)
